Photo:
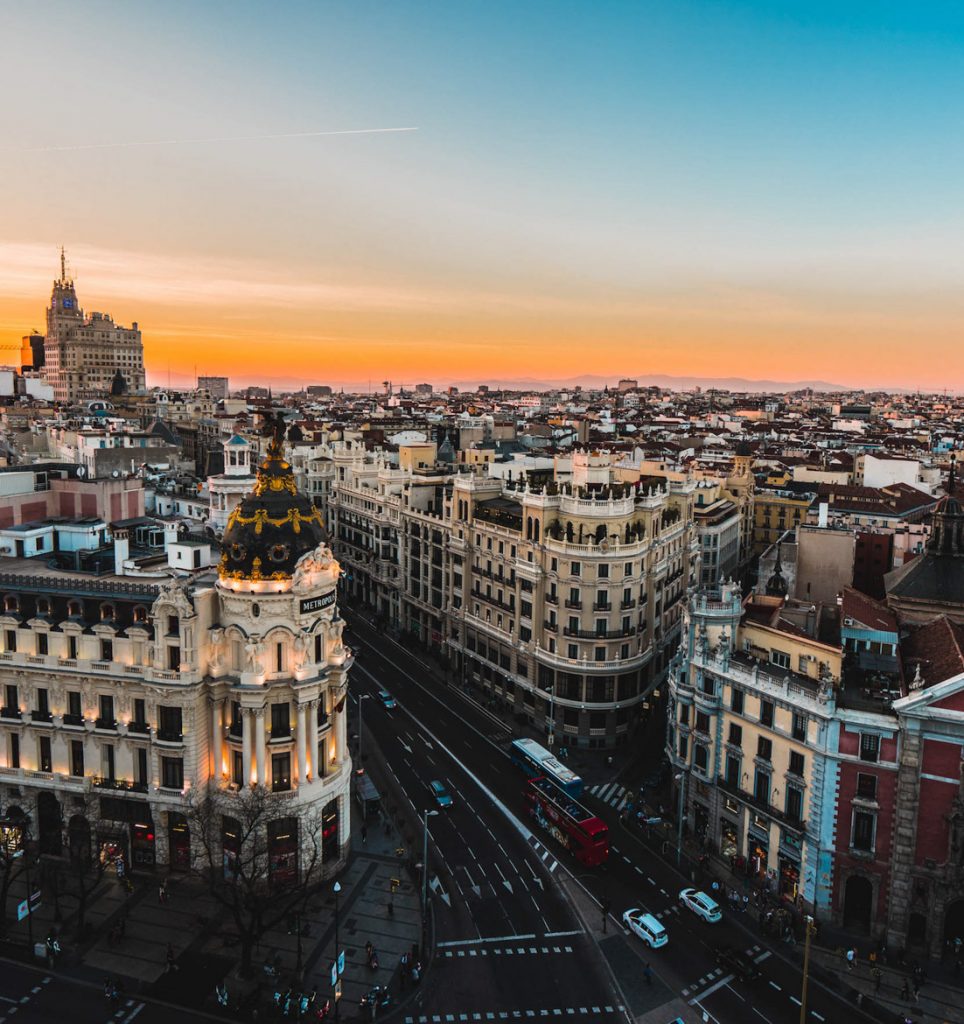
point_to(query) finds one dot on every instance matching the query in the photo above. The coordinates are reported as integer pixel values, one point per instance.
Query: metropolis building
(128, 698)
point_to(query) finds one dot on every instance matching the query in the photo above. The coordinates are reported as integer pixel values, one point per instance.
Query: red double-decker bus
(579, 831)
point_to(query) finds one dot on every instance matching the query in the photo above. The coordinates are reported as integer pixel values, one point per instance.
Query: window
(628, 569)
(700, 757)
(799, 727)
(174, 659)
(140, 711)
(107, 761)
(107, 650)
(169, 723)
(600, 653)
(10, 637)
(683, 747)
(43, 754)
(736, 734)
(43, 701)
(702, 721)
(865, 825)
(736, 702)
(73, 706)
(779, 658)
(684, 714)
(794, 809)
(866, 786)
(279, 657)
(140, 776)
(172, 773)
(11, 701)
(766, 712)
(732, 770)
(14, 749)
(764, 748)
(280, 720)
(106, 718)
(797, 763)
(237, 768)
(709, 685)
(72, 648)
(869, 747)
(761, 786)
(603, 571)
(280, 772)
(576, 569)
(77, 758)
(43, 646)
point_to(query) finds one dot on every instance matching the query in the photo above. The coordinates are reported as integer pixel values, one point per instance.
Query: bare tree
(81, 871)
(261, 857)
(17, 859)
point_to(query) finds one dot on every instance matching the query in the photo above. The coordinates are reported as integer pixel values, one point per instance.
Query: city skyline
(707, 189)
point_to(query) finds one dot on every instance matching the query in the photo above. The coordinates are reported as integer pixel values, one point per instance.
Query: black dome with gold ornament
(273, 526)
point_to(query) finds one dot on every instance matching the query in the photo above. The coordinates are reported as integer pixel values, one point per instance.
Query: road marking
(476, 942)
(817, 1015)
(562, 935)
(639, 869)
(134, 1013)
(725, 980)
(763, 956)
(773, 984)
(793, 999)
(652, 881)
(757, 1012)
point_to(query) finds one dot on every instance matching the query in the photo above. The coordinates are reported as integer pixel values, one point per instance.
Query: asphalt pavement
(499, 883)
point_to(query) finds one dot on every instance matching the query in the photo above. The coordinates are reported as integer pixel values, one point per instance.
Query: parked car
(701, 905)
(387, 699)
(738, 963)
(645, 927)
(440, 793)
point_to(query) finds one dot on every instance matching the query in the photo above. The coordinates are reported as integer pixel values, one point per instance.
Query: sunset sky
(757, 189)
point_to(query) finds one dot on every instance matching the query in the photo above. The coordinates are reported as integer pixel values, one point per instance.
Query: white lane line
(562, 935)
(793, 999)
(639, 869)
(773, 984)
(763, 956)
(725, 980)
(476, 942)
(817, 1015)
(757, 1012)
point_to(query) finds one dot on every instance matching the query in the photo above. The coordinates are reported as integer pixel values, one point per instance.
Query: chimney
(170, 533)
(122, 547)
(823, 514)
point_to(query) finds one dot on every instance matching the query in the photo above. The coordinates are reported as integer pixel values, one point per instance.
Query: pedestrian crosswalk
(612, 793)
(544, 855)
(594, 1012)
(505, 951)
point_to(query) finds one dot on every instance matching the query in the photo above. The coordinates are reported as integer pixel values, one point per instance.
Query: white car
(701, 905)
(645, 927)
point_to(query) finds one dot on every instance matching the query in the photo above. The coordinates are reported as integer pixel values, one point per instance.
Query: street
(499, 883)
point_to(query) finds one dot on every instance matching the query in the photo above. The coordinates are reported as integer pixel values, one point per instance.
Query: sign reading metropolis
(315, 604)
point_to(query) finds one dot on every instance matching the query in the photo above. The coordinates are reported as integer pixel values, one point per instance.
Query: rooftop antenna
(63, 267)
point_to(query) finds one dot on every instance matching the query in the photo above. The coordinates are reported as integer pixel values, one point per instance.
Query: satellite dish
(182, 528)
(115, 474)
(81, 471)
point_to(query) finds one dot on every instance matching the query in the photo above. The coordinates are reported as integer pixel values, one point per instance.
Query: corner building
(126, 698)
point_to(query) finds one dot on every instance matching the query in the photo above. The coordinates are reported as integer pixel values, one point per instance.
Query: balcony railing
(11, 713)
(41, 716)
(764, 806)
(136, 727)
(170, 736)
(74, 720)
(109, 724)
(590, 634)
(127, 785)
(577, 605)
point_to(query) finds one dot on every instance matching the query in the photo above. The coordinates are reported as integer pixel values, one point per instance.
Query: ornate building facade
(126, 699)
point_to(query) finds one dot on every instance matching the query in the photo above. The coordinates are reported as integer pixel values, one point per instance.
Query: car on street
(440, 793)
(737, 962)
(387, 699)
(645, 927)
(701, 905)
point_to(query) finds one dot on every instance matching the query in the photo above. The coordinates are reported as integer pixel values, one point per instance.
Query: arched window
(11, 604)
(140, 613)
(74, 609)
(106, 612)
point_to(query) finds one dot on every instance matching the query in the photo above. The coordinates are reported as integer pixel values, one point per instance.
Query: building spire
(950, 478)
(63, 266)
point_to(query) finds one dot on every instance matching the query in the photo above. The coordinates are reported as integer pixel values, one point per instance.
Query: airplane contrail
(222, 138)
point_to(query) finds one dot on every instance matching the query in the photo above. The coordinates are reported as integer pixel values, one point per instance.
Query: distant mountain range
(595, 382)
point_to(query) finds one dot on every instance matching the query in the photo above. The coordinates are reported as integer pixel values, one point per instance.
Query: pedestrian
(162, 892)
(364, 833)
(746, 903)
(648, 974)
(916, 990)
(851, 956)
(877, 977)
(905, 991)
(873, 958)
(391, 908)
(171, 957)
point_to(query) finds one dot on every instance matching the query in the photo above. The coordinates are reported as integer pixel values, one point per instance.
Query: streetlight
(361, 722)
(549, 688)
(428, 814)
(806, 969)
(681, 779)
(336, 889)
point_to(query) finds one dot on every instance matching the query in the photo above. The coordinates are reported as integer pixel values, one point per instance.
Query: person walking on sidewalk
(905, 991)
(877, 973)
(171, 957)
(851, 957)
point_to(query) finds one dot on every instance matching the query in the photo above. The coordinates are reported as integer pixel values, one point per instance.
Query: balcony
(174, 736)
(602, 607)
(552, 627)
(41, 717)
(140, 728)
(125, 785)
(576, 605)
(609, 634)
(74, 721)
(11, 713)
(763, 806)
(107, 724)
(552, 599)
(626, 605)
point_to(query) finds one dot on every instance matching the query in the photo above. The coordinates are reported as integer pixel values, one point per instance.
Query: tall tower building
(83, 355)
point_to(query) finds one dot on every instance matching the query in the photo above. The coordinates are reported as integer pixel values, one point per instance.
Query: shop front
(125, 836)
(729, 839)
(789, 866)
(757, 847)
(330, 850)
(283, 851)
(179, 842)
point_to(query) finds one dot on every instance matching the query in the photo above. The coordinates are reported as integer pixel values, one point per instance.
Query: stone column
(341, 727)
(259, 745)
(301, 740)
(246, 746)
(317, 760)
(217, 738)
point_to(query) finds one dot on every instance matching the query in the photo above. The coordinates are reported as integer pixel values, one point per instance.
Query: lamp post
(806, 969)
(361, 721)
(550, 689)
(428, 814)
(681, 779)
(336, 889)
